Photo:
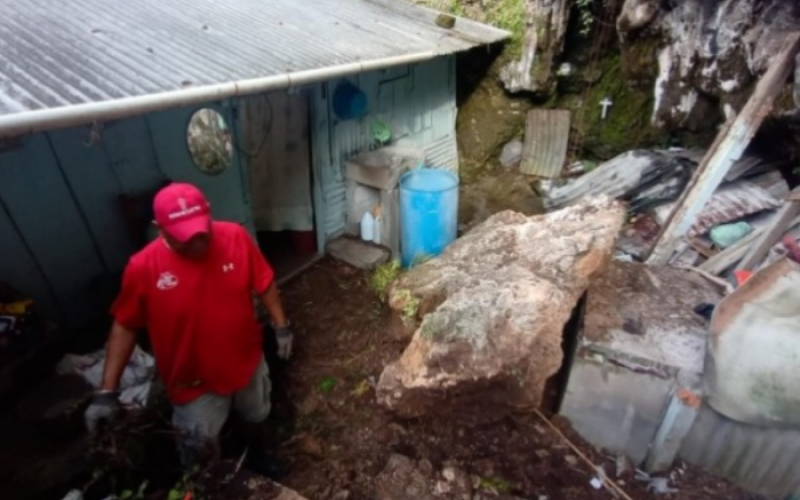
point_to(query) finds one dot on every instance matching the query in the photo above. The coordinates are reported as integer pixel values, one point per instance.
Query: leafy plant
(511, 15)
(327, 385)
(131, 495)
(382, 278)
(585, 18)
(496, 484)
(456, 8)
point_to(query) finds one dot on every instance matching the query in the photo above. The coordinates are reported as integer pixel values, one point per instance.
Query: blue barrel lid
(428, 180)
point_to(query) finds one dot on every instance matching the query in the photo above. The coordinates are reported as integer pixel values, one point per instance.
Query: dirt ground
(338, 441)
(343, 439)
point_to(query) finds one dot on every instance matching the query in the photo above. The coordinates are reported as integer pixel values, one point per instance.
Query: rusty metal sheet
(729, 203)
(546, 136)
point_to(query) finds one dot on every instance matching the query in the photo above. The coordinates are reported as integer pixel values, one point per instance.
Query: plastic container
(349, 102)
(367, 226)
(428, 213)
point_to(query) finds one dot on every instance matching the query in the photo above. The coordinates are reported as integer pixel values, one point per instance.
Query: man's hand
(285, 339)
(103, 407)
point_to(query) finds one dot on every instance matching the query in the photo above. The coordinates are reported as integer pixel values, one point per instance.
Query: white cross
(606, 103)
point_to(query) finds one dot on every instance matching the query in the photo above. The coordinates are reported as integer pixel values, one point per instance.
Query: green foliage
(131, 495)
(327, 385)
(585, 18)
(383, 276)
(510, 15)
(496, 484)
(456, 8)
(411, 307)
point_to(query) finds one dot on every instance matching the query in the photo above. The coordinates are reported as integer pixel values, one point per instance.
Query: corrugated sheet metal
(764, 460)
(545, 149)
(443, 153)
(730, 202)
(57, 188)
(99, 50)
(417, 102)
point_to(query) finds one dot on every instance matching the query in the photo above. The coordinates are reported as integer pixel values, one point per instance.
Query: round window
(210, 142)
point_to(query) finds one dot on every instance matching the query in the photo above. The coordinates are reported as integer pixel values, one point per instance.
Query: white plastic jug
(367, 226)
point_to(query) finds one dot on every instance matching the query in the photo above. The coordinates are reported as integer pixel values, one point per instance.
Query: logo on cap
(185, 210)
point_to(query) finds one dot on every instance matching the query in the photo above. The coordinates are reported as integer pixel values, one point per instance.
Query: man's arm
(105, 402)
(119, 348)
(272, 303)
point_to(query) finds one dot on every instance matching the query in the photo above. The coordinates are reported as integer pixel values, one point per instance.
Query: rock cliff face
(709, 53)
(674, 70)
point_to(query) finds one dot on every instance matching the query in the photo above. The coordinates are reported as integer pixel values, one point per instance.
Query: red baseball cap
(182, 211)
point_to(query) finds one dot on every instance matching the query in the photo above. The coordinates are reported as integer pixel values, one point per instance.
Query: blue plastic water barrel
(428, 213)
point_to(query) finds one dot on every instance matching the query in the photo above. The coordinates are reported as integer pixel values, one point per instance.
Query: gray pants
(199, 423)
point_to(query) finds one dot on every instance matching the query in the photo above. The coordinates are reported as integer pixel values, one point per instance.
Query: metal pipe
(16, 124)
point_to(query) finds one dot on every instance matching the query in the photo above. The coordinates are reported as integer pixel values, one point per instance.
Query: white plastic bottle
(367, 226)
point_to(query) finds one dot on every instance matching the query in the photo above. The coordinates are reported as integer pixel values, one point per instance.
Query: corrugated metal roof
(55, 54)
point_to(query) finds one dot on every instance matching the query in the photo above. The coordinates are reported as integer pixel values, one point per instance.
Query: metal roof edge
(29, 122)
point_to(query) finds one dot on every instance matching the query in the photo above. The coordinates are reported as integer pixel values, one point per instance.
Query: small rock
(358, 253)
(449, 474)
(342, 495)
(572, 460)
(311, 446)
(542, 453)
(309, 405)
(445, 21)
(511, 154)
(442, 488)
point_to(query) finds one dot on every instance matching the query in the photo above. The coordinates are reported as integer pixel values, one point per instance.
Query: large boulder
(488, 314)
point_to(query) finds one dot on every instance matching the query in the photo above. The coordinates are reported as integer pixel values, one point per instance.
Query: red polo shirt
(200, 314)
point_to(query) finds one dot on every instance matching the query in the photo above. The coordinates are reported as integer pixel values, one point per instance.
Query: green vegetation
(585, 18)
(628, 123)
(382, 278)
(411, 307)
(327, 385)
(496, 484)
(510, 15)
(456, 8)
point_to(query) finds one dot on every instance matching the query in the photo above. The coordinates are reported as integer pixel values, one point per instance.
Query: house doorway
(277, 149)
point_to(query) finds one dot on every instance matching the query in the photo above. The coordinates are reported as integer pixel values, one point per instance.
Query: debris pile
(743, 208)
(489, 313)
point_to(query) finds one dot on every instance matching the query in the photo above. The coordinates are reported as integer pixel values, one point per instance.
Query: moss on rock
(628, 122)
(487, 121)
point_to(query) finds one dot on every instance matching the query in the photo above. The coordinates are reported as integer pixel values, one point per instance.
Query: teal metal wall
(417, 101)
(61, 225)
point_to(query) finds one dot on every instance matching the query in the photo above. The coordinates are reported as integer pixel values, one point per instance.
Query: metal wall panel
(50, 224)
(61, 222)
(764, 460)
(417, 101)
(226, 191)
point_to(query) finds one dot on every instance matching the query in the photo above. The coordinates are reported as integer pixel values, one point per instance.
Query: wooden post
(758, 250)
(727, 148)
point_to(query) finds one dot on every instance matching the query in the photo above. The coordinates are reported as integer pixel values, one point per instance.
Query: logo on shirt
(167, 281)
(226, 268)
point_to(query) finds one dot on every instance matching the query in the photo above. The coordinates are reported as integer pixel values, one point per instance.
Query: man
(192, 289)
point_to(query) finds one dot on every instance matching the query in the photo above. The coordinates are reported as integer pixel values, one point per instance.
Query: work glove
(104, 406)
(285, 339)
